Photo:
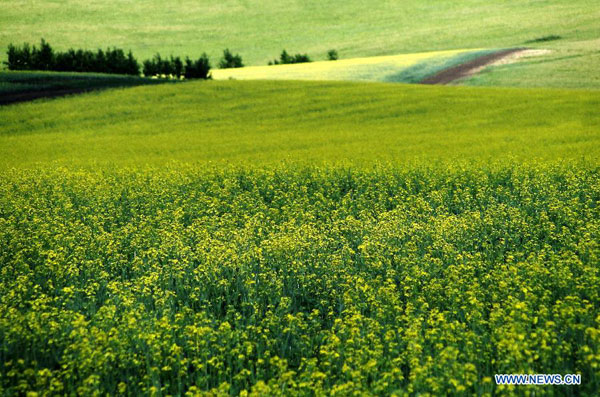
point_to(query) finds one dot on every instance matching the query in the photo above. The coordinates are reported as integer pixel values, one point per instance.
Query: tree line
(116, 61)
(111, 61)
(174, 66)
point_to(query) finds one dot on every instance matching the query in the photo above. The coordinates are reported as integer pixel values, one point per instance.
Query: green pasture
(571, 64)
(259, 30)
(267, 122)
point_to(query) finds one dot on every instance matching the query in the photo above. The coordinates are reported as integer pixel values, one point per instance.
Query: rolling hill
(266, 122)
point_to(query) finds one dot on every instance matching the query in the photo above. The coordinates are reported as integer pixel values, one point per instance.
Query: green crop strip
(263, 122)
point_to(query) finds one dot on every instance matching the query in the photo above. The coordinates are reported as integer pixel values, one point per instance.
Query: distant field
(568, 65)
(259, 30)
(399, 68)
(269, 122)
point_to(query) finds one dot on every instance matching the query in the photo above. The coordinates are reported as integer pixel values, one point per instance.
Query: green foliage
(174, 67)
(198, 69)
(230, 61)
(113, 61)
(285, 59)
(43, 59)
(286, 281)
(157, 66)
(332, 55)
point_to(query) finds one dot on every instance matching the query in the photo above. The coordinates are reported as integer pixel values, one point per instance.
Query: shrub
(199, 69)
(43, 59)
(332, 55)
(19, 58)
(230, 61)
(157, 66)
(543, 39)
(286, 58)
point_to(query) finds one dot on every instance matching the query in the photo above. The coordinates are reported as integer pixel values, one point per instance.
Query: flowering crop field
(306, 281)
(289, 238)
(382, 68)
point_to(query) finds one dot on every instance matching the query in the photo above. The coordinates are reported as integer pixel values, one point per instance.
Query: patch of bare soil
(475, 66)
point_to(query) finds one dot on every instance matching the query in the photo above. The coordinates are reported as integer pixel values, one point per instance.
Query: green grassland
(569, 65)
(269, 122)
(259, 30)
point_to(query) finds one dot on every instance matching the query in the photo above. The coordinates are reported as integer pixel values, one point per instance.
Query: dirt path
(469, 68)
(7, 99)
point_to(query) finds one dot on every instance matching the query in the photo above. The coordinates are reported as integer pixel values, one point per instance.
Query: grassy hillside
(268, 122)
(570, 64)
(259, 30)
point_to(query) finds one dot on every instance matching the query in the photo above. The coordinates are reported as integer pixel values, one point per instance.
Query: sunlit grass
(267, 122)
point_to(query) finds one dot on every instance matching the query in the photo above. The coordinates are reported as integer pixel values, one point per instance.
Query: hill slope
(269, 122)
(261, 29)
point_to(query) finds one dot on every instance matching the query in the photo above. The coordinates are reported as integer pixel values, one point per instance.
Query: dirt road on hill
(466, 69)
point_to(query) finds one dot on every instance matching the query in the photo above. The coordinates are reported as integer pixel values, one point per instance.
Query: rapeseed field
(303, 238)
(283, 280)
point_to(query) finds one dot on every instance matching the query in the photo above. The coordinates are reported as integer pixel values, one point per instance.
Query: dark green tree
(198, 69)
(43, 59)
(230, 61)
